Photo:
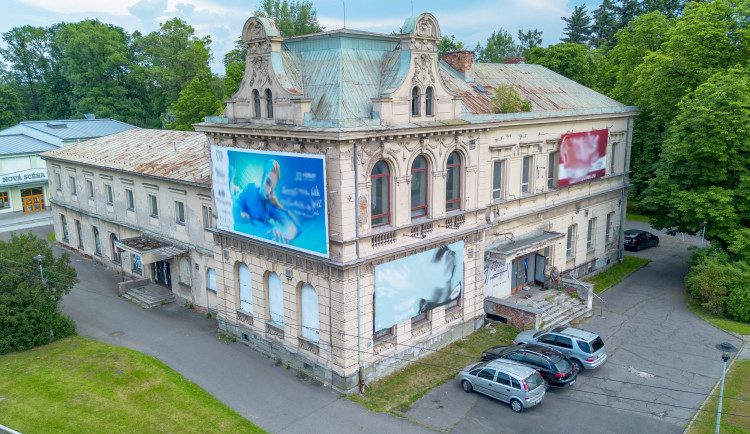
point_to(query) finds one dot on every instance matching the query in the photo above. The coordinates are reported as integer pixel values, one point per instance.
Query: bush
(508, 100)
(720, 285)
(738, 303)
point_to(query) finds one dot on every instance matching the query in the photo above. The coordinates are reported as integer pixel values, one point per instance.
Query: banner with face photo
(277, 197)
(583, 156)
(409, 286)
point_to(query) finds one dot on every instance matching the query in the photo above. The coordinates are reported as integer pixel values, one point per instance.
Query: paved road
(657, 350)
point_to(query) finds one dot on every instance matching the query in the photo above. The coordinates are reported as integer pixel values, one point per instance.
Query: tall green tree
(605, 25)
(703, 174)
(669, 8)
(29, 306)
(201, 98)
(528, 40)
(293, 17)
(27, 52)
(447, 44)
(574, 61)
(500, 46)
(11, 109)
(627, 10)
(578, 26)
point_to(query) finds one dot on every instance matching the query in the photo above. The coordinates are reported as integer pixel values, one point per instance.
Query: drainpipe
(623, 197)
(356, 229)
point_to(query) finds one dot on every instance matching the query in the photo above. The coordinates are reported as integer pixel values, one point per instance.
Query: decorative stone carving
(274, 330)
(421, 330)
(259, 72)
(423, 70)
(255, 31)
(308, 346)
(425, 27)
(453, 315)
(384, 346)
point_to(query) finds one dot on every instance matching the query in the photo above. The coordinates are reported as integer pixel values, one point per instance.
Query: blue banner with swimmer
(409, 286)
(272, 196)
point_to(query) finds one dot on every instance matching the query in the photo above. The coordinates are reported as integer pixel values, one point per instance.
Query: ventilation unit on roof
(57, 125)
(480, 89)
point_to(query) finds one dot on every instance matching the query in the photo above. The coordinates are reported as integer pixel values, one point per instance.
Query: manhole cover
(116, 334)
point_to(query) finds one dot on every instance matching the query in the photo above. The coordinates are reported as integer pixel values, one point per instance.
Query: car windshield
(630, 236)
(562, 364)
(533, 381)
(597, 344)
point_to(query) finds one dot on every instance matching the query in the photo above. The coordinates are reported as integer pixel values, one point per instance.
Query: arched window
(453, 183)
(256, 103)
(97, 241)
(380, 212)
(310, 312)
(419, 187)
(64, 224)
(80, 234)
(269, 104)
(184, 271)
(116, 257)
(275, 299)
(429, 101)
(415, 101)
(211, 280)
(246, 293)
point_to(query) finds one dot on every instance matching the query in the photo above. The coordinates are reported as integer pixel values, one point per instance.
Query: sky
(471, 21)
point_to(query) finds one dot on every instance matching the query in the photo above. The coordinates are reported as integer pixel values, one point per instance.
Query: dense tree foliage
(293, 17)
(500, 46)
(577, 26)
(11, 109)
(447, 44)
(574, 61)
(29, 312)
(528, 40)
(720, 284)
(508, 100)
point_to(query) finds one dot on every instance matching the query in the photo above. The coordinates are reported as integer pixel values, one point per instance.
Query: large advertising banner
(272, 196)
(583, 156)
(409, 286)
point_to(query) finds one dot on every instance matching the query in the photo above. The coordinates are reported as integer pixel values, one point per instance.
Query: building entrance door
(162, 274)
(32, 199)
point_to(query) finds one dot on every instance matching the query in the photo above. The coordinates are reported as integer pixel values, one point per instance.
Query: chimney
(461, 62)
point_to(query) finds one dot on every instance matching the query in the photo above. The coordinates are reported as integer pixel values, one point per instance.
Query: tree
(528, 40)
(508, 100)
(605, 26)
(627, 11)
(449, 44)
(669, 8)
(29, 306)
(234, 68)
(198, 100)
(577, 30)
(28, 54)
(574, 61)
(11, 109)
(500, 46)
(703, 173)
(293, 17)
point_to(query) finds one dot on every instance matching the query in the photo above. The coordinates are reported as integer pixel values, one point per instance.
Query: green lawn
(80, 385)
(736, 385)
(398, 391)
(631, 213)
(615, 274)
(722, 323)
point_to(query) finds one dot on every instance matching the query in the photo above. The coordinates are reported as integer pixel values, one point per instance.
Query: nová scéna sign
(23, 177)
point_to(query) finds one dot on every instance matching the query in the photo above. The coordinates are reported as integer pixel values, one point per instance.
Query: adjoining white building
(369, 200)
(139, 202)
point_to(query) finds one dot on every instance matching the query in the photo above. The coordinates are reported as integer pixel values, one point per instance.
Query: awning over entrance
(149, 249)
(523, 246)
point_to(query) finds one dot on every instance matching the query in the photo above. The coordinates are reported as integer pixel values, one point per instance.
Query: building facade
(23, 176)
(139, 202)
(369, 198)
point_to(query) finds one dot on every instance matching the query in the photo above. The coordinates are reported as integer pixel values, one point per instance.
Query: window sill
(275, 329)
(98, 254)
(570, 258)
(184, 285)
(308, 345)
(590, 250)
(180, 223)
(130, 209)
(138, 272)
(245, 317)
(110, 204)
(211, 290)
(154, 216)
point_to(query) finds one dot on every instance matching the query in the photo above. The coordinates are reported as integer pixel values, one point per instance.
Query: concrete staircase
(564, 308)
(150, 295)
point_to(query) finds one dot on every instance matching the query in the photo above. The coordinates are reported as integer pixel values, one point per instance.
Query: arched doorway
(32, 199)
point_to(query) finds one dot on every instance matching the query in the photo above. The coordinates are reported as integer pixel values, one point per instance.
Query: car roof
(539, 349)
(511, 367)
(582, 334)
(634, 231)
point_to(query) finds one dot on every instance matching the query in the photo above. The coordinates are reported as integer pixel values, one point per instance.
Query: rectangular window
(570, 250)
(206, 216)
(73, 190)
(59, 182)
(591, 234)
(64, 224)
(552, 171)
(608, 233)
(131, 201)
(153, 205)
(110, 199)
(4, 200)
(612, 158)
(526, 175)
(80, 234)
(136, 264)
(382, 334)
(179, 212)
(497, 180)
(90, 188)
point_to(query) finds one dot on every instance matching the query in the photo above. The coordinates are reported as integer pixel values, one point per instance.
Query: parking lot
(662, 363)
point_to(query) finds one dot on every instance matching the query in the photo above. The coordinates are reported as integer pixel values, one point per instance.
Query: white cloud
(117, 8)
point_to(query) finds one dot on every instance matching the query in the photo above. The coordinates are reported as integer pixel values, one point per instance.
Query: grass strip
(401, 389)
(81, 385)
(727, 324)
(736, 385)
(616, 273)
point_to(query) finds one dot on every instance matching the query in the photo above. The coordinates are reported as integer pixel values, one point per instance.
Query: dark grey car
(582, 347)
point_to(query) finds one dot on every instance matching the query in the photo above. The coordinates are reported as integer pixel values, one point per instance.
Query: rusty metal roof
(180, 156)
(546, 89)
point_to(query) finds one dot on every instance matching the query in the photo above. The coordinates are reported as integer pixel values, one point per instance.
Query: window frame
(429, 101)
(383, 334)
(116, 255)
(376, 178)
(136, 259)
(497, 181)
(59, 181)
(612, 158)
(570, 248)
(153, 204)
(423, 172)
(416, 100)
(247, 302)
(64, 227)
(110, 195)
(4, 199)
(526, 174)
(185, 273)
(552, 172)
(275, 300)
(73, 187)
(90, 189)
(130, 199)
(608, 234)
(179, 212)
(211, 272)
(207, 217)
(307, 332)
(591, 234)
(269, 104)
(79, 231)
(256, 104)
(455, 167)
(97, 240)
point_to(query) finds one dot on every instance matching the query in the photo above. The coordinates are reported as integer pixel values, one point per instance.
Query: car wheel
(546, 385)
(638, 247)
(466, 386)
(516, 405)
(579, 365)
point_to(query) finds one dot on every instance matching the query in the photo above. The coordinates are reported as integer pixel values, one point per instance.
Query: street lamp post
(39, 260)
(726, 353)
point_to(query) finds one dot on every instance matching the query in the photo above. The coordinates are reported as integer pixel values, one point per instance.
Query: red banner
(583, 156)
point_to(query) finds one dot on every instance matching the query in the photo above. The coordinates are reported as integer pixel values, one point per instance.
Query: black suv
(556, 369)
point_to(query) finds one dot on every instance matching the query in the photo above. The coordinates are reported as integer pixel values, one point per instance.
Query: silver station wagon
(505, 380)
